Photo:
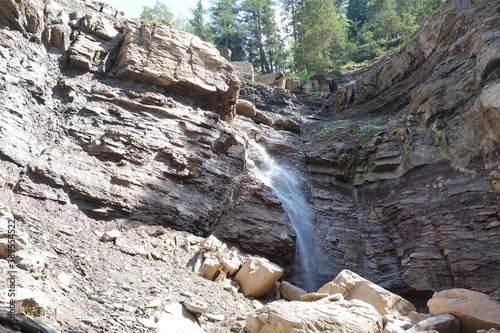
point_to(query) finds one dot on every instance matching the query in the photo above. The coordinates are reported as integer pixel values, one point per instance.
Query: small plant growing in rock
(30, 312)
(367, 134)
(353, 127)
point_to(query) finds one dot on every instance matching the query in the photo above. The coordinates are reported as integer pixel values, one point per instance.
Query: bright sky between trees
(133, 8)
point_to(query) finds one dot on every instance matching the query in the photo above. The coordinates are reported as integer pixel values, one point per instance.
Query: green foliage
(227, 27)
(367, 134)
(198, 26)
(364, 52)
(158, 13)
(353, 127)
(320, 36)
(324, 36)
(362, 130)
(30, 312)
(357, 13)
(265, 48)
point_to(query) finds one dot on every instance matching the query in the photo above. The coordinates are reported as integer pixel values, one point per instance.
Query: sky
(133, 8)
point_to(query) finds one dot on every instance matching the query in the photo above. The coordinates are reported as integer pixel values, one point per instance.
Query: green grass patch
(30, 312)
(353, 127)
(367, 134)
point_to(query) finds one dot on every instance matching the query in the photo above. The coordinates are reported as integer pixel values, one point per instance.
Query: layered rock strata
(95, 125)
(404, 188)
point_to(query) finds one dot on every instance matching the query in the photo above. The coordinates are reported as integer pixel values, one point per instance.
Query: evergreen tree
(320, 36)
(198, 25)
(227, 27)
(263, 44)
(357, 13)
(291, 12)
(385, 22)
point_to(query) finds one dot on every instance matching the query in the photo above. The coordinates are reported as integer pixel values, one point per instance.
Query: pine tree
(292, 9)
(227, 27)
(357, 13)
(320, 36)
(263, 44)
(198, 25)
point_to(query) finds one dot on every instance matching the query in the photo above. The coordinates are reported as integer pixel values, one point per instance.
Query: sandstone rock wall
(443, 80)
(411, 167)
(95, 126)
(103, 42)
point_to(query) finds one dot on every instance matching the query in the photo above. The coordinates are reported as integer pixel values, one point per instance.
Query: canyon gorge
(391, 171)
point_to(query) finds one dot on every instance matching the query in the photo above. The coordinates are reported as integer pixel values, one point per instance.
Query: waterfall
(285, 184)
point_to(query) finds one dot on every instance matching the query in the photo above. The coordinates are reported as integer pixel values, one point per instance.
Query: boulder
(225, 52)
(393, 327)
(230, 261)
(210, 268)
(474, 310)
(287, 124)
(262, 118)
(293, 85)
(195, 306)
(245, 108)
(213, 244)
(257, 276)
(318, 85)
(215, 261)
(313, 297)
(180, 62)
(416, 317)
(274, 80)
(353, 286)
(441, 323)
(322, 316)
(290, 291)
(244, 69)
(111, 235)
(176, 319)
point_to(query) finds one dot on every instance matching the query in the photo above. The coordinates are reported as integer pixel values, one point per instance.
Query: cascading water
(285, 185)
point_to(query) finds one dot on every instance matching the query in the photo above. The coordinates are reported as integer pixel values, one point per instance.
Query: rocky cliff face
(91, 116)
(405, 190)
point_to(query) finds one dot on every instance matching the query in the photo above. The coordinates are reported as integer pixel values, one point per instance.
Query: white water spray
(285, 185)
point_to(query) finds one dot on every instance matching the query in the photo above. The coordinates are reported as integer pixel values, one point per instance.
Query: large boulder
(277, 80)
(244, 69)
(474, 310)
(181, 62)
(26, 16)
(176, 319)
(442, 324)
(245, 108)
(290, 291)
(352, 286)
(257, 276)
(293, 85)
(327, 315)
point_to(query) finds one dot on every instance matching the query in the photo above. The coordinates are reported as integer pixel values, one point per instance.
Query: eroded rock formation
(95, 125)
(403, 188)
